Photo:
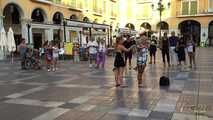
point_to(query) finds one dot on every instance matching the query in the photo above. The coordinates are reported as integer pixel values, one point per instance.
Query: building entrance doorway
(37, 40)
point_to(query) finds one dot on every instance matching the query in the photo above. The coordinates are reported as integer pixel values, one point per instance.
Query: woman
(181, 50)
(48, 55)
(119, 63)
(142, 57)
(55, 56)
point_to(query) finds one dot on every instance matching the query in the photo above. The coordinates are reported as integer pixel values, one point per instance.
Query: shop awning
(87, 25)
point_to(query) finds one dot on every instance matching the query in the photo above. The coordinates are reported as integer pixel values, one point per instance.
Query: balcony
(200, 13)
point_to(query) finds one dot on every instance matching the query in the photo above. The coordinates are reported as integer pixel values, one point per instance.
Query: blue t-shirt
(173, 41)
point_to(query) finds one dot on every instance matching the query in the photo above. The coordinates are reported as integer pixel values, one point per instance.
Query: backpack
(164, 81)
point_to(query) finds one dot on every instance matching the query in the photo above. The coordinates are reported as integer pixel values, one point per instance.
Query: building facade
(41, 20)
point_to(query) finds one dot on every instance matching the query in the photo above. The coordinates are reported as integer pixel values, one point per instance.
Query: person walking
(172, 48)
(128, 55)
(153, 50)
(181, 45)
(92, 46)
(119, 63)
(22, 48)
(101, 56)
(55, 54)
(165, 49)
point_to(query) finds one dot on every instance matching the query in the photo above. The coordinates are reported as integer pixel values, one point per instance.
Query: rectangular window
(73, 3)
(210, 5)
(185, 8)
(144, 10)
(189, 7)
(193, 7)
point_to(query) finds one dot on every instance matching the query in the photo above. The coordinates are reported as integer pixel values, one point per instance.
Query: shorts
(141, 68)
(128, 55)
(152, 51)
(92, 56)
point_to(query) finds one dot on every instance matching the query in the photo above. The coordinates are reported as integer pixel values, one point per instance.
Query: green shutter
(193, 8)
(185, 8)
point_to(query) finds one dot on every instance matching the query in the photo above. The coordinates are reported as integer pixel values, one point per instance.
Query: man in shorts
(92, 46)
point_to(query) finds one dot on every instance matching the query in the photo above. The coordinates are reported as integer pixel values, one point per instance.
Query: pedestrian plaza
(77, 92)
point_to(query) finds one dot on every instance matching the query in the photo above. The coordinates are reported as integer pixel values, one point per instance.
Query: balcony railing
(203, 12)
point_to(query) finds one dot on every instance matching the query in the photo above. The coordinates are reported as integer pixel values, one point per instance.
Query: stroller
(32, 60)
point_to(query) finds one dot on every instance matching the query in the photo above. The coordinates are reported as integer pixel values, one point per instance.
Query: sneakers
(48, 70)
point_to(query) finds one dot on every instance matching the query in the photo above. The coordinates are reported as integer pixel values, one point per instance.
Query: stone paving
(76, 92)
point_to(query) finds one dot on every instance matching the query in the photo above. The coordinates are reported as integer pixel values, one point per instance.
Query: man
(22, 48)
(128, 55)
(165, 49)
(172, 48)
(92, 46)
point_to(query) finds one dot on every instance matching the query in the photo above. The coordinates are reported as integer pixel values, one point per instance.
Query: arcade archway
(13, 15)
(191, 27)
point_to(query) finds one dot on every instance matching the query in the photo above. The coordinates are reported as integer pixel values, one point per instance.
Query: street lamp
(161, 8)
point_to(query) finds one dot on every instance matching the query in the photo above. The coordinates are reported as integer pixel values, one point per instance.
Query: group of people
(50, 50)
(97, 53)
(141, 46)
(173, 50)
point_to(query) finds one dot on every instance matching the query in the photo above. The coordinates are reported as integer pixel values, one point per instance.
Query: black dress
(119, 60)
(181, 50)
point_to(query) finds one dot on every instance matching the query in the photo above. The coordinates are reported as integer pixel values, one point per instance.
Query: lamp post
(161, 7)
(64, 25)
(28, 31)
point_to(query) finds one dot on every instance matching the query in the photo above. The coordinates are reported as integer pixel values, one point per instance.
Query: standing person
(48, 55)
(128, 55)
(142, 57)
(153, 50)
(172, 48)
(76, 52)
(119, 63)
(181, 45)
(101, 56)
(92, 46)
(191, 51)
(22, 48)
(165, 49)
(55, 56)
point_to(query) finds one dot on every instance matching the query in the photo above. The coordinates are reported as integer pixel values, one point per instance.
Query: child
(101, 54)
(55, 53)
(191, 51)
(76, 51)
(142, 56)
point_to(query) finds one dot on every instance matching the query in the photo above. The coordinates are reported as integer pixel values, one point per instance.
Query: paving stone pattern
(77, 92)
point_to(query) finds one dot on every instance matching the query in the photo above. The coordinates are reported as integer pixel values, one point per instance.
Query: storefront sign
(79, 24)
(68, 48)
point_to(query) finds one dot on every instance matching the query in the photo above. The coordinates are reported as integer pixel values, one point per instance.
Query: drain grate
(201, 108)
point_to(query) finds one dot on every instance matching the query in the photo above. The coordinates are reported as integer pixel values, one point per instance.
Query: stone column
(203, 35)
(25, 25)
(68, 37)
(48, 34)
(1, 21)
